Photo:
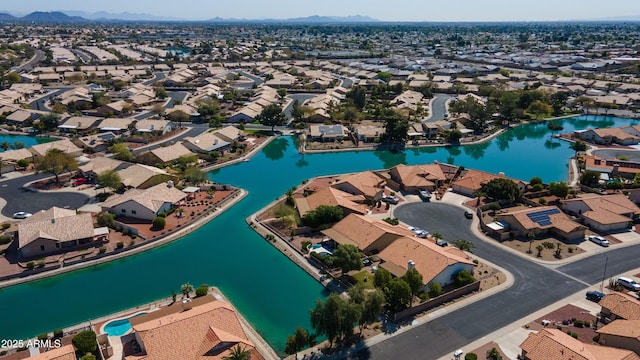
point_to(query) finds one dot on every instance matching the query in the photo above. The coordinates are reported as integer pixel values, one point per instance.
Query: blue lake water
(268, 289)
(28, 141)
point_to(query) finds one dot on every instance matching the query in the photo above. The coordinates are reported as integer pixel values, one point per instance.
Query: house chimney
(411, 265)
(170, 183)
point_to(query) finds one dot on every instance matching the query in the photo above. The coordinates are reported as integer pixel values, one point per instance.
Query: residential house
(421, 177)
(366, 183)
(470, 181)
(622, 334)
(13, 156)
(202, 328)
(115, 125)
(115, 108)
(554, 344)
(154, 126)
(367, 234)
(617, 305)
(21, 118)
(608, 136)
(369, 133)
(79, 123)
(541, 221)
(143, 176)
(610, 168)
(54, 230)
(603, 213)
(100, 164)
(435, 263)
(144, 204)
(66, 352)
(165, 154)
(206, 143)
(333, 197)
(229, 134)
(64, 145)
(94, 143)
(327, 132)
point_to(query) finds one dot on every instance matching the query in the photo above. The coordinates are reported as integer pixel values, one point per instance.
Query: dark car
(468, 214)
(594, 296)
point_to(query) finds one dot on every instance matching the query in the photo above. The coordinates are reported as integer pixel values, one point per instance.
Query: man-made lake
(28, 141)
(268, 289)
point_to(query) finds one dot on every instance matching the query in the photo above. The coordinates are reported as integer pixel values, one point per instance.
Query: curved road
(535, 286)
(633, 155)
(438, 107)
(19, 199)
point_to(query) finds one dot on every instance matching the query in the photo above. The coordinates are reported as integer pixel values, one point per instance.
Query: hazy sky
(398, 10)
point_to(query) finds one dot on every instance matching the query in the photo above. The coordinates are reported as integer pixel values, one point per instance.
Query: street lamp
(604, 274)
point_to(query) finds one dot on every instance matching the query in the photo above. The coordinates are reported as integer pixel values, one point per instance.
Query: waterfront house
(542, 221)
(229, 134)
(369, 133)
(470, 181)
(617, 305)
(66, 352)
(144, 204)
(20, 117)
(165, 154)
(554, 344)
(327, 132)
(54, 230)
(367, 234)
(365, 183)
(202, 328)
(435, 263)
(603, 213)
(206, 143)
(143, 176)
(608, 136)
(622, 334)
(419, 177)
(64, 145)
(79, 124)
(333, 197)
(94, 143)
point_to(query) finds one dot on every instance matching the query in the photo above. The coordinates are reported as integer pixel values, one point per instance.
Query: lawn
(361, 276)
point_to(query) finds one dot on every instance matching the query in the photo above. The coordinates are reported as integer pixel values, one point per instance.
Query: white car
(599, 240)
(21, 215)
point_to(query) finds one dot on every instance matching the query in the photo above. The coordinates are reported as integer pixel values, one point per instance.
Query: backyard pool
(118, 327)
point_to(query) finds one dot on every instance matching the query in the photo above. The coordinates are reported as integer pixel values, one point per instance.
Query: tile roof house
(142, 176)
(368, 133)
(418, 177)
(229, 133)
(144, 204)
(622, 334)
(333, 197)
(64, 145)
(327, 132)
(368, 234)
(116, 125)
(206, 143)
(618, 305)
(79, 123)
(553, 344)
(365, 183)
(435, 263)
(53, 230)
(66, 352)
(96, 142)
(603, 213)
(101, 164)
(166, 154)
(154, 126)
(607, 136)
(543, 220)
(209, 330)
(472, 180)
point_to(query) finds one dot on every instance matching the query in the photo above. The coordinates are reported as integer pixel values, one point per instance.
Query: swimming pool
(118, 327)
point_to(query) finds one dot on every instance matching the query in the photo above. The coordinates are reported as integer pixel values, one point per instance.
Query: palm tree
(186, 289)
(494, 354)
(539, 248)
(531, 235)
(5, 146)
(464, 245)
(238, 353)
(437, 236)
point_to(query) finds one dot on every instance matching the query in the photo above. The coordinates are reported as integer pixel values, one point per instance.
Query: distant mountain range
(80, 16)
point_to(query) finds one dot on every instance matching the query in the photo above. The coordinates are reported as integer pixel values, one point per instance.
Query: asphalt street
(37, 57)
(633, 155)
(438, 107)
(535, 286)
(19, 199)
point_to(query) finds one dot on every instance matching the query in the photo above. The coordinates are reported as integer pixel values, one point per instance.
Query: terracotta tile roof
(622, 328)
(56, 224)
(66, 352)
(148, 125)
(608, 209)
(101, 164)
(367, 183)
(135, 175)
(332, 197)
(170, 153)
(228, 133)
(606, 165)
(80, 122)
(622, 305)
(419, 175)
(64, 145)
(207, 331)
(152, 198)
(559, 221)
(430, 259)
(553, 344)
(17, 155)
(474, 179)
(363, 231)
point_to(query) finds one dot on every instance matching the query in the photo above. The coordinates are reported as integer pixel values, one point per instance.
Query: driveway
(535, 287)
(19, 199)
(438, 107)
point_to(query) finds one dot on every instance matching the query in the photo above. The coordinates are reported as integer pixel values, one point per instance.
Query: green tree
(559, 189)
(414, 279)
(56, 162)
(271, 115)
(395, 130)
(296, 342)
(493, 354)
(159, 222)
(454, 136)
(371, 308)
(109, 179)
(539, 248)
(296, 111)
(578, 146)
(238, 353)
(13, 77)
(382, 278)
(398, 295)
(508, 102)
(539, 108)
(186, 289)
(356, 294)
(282, 94)
(502, 190)
(203, 290)
(435, 289)
(326, 318)
(590, 178)
(121, 152)
(464, 245)
(48, 122)
(558, 102)
(178, 117)
(535, 180)
(358, 95)
(195, 175)
(384, 76)
(85, 342)
(161, 93)
(323, 215)
(463, 277)
(347, 258)
(88, 356)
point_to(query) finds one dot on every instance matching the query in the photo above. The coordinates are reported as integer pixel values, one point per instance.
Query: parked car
(390, 199)
(629, 283)
(425, 195)
(442, 243)
(79, 182)
(21, 215)
(594, 296)
(599, 240)
(468, 214)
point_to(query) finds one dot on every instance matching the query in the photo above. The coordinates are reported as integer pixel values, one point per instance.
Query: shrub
(162, 214)
(537, 187)
(5, 239)
(559, 327)
(542, 201)
(203, 290)
(133, 236)
(23, 163)
(85, 342)
(57, 333)
(423, 297)
(102, 196)
(159, 223)
(463, 277)
(574, 335)
(471, 356)
(31, 265)
(119, 245)
(435, 289)
(40, 264)
(305, 245)
(88, 356)
(392, 221)
(133, 242)
(43, 336)
(5, 226)
(548, 245)
(475, 261)
(105, 219)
